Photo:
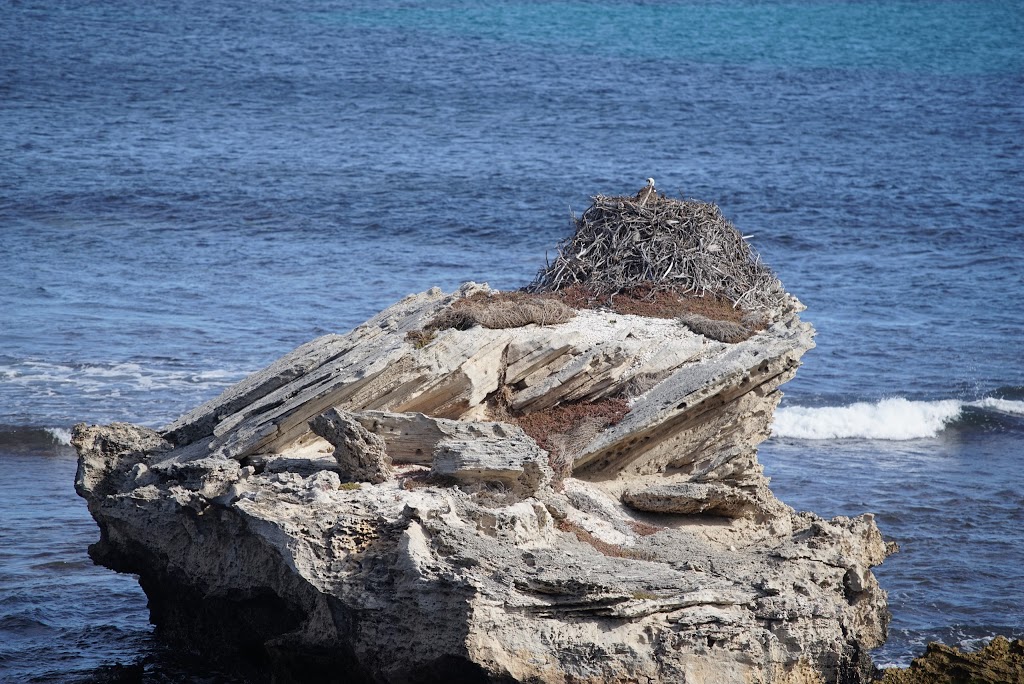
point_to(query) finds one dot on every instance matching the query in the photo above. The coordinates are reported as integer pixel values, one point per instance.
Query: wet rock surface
(367, 509)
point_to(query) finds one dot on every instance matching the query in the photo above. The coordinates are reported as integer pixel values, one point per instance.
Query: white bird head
(650, 182)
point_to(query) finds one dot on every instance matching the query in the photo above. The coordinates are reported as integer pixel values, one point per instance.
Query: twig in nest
(684, 246)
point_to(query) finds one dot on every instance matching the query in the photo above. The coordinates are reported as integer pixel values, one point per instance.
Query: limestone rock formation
(361, 454)
(367, 509)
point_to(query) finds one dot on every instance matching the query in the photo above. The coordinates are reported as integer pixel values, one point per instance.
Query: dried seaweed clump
(723, 331)
(501, 310)
(646, 300)
(684, 246)
(613, 550)
(565, 430)
(420, 338)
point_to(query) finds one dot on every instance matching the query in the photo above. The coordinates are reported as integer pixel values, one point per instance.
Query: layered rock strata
(367, 509)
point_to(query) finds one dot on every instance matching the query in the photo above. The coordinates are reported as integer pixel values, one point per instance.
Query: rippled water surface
(188, 191)
(59, 614)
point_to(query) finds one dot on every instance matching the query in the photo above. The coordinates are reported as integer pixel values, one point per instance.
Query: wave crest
(60, 435)
(888, 419)
(1007, 406)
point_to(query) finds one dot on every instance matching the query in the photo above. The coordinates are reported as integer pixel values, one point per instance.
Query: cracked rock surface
(366, 509)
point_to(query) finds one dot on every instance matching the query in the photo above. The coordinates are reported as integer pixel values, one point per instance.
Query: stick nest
(683, 246)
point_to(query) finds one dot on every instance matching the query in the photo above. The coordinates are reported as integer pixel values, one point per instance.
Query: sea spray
(1007, 406)
(890, 419)
(60, 435)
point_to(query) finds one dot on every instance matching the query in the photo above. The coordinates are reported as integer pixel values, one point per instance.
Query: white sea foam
(60, 435)
(101, 378)
(1014, 408)
(52, 393)
(890, 419)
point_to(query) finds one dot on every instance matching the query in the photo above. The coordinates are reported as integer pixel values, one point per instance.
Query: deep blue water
(190, 189)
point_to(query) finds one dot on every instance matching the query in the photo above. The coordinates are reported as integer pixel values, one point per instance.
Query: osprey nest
(663, 244)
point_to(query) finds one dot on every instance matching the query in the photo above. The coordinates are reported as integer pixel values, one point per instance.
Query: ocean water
(189, 190)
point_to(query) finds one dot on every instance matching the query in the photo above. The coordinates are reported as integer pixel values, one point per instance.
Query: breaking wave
(892, 419)
(26, 439)
(44, 394)
(60, 435)
(95, 377)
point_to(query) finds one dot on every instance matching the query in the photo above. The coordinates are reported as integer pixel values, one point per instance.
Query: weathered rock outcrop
(367, 509)
(1000, 662)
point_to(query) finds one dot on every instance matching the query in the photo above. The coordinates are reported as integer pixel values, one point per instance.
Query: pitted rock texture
(442, 546)
(691, 498)
(360, 453)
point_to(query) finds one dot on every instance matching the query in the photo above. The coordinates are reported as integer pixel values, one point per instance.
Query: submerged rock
(367, 509)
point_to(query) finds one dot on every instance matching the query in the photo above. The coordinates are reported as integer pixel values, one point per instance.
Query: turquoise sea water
(189, 190)
(954, 38)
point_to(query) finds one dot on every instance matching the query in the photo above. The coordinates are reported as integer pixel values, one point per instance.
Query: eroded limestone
(367, 506)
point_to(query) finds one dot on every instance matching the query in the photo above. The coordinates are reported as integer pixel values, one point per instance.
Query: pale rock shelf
(363, 510)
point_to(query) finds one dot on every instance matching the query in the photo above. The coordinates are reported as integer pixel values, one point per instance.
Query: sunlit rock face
(380, 506)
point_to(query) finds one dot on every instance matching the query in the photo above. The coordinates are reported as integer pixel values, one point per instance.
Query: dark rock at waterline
(1001, 662)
